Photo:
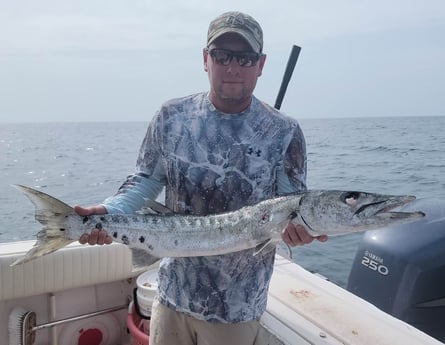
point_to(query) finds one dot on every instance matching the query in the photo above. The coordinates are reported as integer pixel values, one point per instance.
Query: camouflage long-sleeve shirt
(211, 162)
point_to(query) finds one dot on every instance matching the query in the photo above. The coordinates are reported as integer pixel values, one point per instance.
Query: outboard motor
(401, 270)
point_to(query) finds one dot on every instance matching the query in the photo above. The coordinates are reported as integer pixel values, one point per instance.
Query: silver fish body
(152, 236)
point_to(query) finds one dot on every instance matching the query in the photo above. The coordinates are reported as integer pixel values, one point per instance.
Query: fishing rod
(293, 57)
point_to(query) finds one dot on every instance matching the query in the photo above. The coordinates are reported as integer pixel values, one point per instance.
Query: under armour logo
(251, 151)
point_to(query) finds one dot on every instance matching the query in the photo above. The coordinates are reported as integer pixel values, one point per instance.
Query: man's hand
(96, 236)
(296, 234)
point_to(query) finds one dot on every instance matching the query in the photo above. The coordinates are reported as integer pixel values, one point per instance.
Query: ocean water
(83, 163)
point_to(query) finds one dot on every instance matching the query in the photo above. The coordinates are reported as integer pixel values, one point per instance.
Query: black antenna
(287, 74)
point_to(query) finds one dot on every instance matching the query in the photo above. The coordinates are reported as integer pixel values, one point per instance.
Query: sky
(119, 60)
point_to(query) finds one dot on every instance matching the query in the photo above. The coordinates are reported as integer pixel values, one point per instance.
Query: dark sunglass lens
(221, 57)
(243, 60)
(247, 59)
(224, 57)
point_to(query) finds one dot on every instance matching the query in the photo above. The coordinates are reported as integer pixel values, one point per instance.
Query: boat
(84, 295)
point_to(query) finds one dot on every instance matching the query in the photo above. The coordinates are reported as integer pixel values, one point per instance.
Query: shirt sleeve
(148, 180)
(291, 175)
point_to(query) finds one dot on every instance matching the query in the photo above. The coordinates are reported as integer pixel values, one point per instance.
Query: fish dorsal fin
(154, 207)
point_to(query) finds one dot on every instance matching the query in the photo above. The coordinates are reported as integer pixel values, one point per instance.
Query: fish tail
(51, 213)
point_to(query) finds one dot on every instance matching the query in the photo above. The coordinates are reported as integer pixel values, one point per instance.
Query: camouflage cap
(239, 23)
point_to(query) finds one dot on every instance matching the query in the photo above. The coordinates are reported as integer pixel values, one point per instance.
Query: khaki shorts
(168, 327)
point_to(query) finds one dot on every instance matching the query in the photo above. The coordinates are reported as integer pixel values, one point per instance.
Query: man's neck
(230, 106)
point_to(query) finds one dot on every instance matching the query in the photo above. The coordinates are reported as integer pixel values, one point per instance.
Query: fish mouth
(387, 205)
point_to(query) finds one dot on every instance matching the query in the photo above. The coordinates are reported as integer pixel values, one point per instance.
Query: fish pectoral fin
(141, 258)
(154, 207)
(284, 250)
(265, 247)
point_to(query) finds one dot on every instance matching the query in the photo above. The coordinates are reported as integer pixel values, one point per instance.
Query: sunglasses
(224, 57)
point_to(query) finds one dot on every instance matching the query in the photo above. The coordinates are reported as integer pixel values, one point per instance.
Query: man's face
(231, 85)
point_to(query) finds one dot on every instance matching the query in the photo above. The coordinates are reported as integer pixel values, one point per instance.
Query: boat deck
(303, 308)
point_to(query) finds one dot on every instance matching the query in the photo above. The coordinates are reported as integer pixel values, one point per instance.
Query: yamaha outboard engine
(401, 270)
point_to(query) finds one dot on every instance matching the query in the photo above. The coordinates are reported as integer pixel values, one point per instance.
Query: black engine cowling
(401, 270)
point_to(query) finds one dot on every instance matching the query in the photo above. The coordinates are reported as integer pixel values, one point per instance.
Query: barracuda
(152, 236)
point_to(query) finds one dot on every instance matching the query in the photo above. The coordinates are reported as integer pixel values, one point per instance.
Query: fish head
(336, 212)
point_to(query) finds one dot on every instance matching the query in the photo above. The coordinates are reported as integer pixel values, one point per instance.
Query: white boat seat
(73, 266)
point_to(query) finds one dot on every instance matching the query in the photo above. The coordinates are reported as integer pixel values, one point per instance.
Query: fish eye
(350, 198)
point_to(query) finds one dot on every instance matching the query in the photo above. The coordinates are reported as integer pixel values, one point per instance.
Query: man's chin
(233, 97)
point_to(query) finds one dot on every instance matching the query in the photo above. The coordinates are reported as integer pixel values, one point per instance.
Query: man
(214, 152)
